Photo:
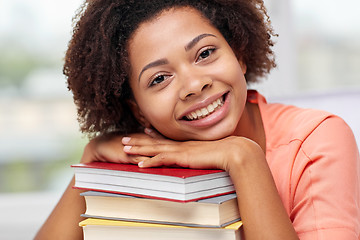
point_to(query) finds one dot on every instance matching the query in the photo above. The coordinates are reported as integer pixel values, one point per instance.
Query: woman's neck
(251, 125)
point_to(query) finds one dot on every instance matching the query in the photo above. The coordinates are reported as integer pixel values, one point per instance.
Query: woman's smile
(204, 108)
(205, 111)
(209, 115)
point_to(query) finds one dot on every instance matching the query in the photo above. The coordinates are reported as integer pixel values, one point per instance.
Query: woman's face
(186, 80)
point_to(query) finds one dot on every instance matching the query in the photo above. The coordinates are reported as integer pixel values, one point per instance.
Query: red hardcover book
(174, 184)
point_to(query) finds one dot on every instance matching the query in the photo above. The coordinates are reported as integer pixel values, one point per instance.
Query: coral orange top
(315, 162)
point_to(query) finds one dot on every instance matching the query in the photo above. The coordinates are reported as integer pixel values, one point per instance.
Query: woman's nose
(194, 84)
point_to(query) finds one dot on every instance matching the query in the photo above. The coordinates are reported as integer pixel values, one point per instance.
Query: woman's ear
(138, 113)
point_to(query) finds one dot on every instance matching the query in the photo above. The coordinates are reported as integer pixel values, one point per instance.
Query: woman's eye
(205, 54)
(157, 80)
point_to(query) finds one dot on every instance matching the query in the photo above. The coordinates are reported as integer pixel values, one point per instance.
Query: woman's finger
(180, 159)
(162, 159)
(150, 150)
(143, 141)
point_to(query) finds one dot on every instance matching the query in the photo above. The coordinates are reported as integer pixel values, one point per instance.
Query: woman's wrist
(241, 151)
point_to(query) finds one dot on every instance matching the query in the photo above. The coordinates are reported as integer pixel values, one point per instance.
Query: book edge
(105, 222)
(161, 222)
(155, 197)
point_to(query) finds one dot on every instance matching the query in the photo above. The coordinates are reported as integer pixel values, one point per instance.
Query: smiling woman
(191, 67)
(174, 75)
(97, 111)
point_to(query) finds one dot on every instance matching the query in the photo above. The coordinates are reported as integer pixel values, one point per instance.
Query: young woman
(178, 70)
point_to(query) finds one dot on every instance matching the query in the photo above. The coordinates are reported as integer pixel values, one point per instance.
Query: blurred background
(318, 56)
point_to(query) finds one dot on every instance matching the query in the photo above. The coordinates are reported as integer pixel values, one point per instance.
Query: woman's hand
(109, 148)
(153, 152)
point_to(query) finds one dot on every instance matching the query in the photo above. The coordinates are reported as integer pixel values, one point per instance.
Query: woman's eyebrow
(156, 63)
(193, 42)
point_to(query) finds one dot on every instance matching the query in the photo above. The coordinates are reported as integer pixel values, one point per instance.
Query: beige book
(211, 212)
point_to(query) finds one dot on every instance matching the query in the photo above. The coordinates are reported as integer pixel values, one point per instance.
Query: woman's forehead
(176, 28)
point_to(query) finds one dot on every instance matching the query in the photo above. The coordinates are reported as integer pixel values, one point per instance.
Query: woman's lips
(205, 111)
(210, 114)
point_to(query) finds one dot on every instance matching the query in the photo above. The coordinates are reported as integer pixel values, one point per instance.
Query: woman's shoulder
(286, 123)
(284, 115)
(292, 118)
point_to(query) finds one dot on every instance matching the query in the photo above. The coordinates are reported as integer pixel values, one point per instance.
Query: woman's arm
(261, 208)
(63, 222)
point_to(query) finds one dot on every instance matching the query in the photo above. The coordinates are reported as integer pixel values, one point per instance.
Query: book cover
(110, 229)
(177, 173)
(176, 184)
(211, 212)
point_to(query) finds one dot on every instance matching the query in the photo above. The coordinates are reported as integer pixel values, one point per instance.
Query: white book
(176, 184)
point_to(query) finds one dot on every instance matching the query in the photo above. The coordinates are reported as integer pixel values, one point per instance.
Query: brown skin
(190, 76)
(63, 222)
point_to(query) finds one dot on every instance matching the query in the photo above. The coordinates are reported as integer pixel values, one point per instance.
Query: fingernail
(141, 164)
(127, 148)
(148, 130)
(126, 140)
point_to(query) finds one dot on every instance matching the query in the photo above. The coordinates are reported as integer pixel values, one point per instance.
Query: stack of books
(156, 203)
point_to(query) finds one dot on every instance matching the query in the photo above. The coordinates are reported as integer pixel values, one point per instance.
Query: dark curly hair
(97, 64)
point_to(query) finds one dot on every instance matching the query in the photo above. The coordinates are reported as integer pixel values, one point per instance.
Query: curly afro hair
(97, 64)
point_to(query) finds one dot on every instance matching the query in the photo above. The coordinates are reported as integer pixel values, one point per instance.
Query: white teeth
(210, 108)
(203, 112)
(194, 115)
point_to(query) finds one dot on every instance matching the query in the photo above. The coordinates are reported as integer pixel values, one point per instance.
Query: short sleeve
(326, 198)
